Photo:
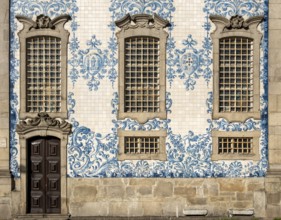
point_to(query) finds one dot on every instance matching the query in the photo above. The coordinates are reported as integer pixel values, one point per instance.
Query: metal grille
(141, 145)
(43, 75)
(142, 74)
(236, 75)
(235, 145)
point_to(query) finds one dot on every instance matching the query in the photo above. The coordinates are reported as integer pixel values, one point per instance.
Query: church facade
(142, 108)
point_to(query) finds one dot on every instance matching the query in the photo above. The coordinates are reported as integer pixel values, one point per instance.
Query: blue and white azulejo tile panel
(93, 88)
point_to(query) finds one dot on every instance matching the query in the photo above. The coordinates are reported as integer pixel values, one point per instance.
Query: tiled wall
(93, 89)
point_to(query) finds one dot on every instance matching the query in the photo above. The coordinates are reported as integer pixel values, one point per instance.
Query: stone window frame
(255, 156)
(162, 134)
(236, 27)
(149, 26)
(43, 26)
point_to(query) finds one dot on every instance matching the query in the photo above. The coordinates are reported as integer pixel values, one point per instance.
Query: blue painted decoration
(91, 154)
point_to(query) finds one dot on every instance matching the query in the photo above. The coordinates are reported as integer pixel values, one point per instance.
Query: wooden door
(43, 194)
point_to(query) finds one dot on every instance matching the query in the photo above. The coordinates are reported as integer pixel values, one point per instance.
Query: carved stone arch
(43, 126)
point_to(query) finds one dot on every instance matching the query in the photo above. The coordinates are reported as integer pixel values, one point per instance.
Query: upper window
(236, 45)
(142, 88)
(43, 46)
(236, 75)
(43, 74)
(142, 71)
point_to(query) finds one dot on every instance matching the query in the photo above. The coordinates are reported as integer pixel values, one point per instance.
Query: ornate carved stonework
(43, 21)
(43, 121)
(237, 22)
(142, 20)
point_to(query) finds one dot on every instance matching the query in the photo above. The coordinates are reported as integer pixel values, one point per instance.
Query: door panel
(53, 176)
(44, 176)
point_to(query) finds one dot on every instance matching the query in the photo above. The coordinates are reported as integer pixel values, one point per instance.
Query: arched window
(142, 67)
(43, 58)
(236, 50)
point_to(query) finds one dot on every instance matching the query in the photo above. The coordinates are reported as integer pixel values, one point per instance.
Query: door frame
(45, 141)
(46, 126)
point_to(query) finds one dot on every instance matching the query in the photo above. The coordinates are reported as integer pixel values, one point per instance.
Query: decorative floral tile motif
(29, 8)
(91, 154)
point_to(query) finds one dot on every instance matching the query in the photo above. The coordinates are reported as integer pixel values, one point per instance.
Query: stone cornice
(43, 22)
(43, 122)
(236, 22)
(142, 20)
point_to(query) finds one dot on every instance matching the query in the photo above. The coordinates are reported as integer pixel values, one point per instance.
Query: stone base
(163, 198)
(274, 172)
(5, 195)
(45, 217)
(124, 197)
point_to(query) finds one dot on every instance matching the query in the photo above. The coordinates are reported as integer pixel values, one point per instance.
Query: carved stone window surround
(149, 26)
(161, 155)
(237, 27)
(236, 156)
(43, 26)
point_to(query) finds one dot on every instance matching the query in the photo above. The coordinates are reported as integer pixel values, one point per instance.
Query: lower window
(235, 145)
(142, 145)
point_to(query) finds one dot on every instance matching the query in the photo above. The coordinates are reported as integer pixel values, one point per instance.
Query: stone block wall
(5, 180)
(273, 180)
(164, 197)
(274, 89)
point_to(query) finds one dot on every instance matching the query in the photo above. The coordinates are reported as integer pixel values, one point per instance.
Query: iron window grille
(142, 145)
(43, 74)
(142, 89)
(236, 75)
(235, 145)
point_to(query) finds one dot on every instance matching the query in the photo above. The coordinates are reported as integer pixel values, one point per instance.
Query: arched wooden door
(43, 171)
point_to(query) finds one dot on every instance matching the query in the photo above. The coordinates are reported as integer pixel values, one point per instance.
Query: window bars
(43, 78)
(142, 74)
(236, 74)
(235, 145)
(141, 145)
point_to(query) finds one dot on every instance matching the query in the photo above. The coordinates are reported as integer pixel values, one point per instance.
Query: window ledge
(142, 117)
(236, 116)
(160, 156)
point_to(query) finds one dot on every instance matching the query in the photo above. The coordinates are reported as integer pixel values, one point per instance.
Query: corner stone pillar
(273, 179)
(5, 180)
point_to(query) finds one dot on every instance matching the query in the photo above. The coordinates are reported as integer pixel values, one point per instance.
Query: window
(236, 75)
(142, 145)
(235, 145)
(43, 57)
(236, 45)
(142, 84)
(142, 88)
(232, 145)
(43, 74)
(142, 67)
